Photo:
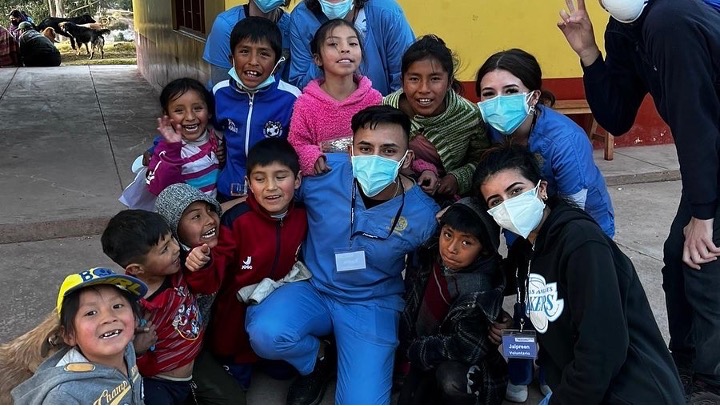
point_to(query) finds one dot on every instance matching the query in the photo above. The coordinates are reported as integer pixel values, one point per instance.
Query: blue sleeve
(302, 28)
(217, 45)
(398, 36)
(570, 155)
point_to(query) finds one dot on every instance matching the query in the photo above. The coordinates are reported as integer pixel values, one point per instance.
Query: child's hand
(145, 337)
(321, 165)
(502, 323)
(220, 150)
(428, 182)
(448, 185)
(198, 258)
(169, 132)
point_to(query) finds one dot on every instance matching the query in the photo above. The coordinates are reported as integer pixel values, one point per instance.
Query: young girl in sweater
(446, 135)
(321, 117)
(187, 152)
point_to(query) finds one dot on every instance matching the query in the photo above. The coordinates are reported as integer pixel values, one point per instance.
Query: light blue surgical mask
(265, 83)
(506, 113)
(374, 173)
(267, 6)
(336, 10)
(520, 214)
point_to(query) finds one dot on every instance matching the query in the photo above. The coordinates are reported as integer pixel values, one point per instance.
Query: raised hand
(575, 24)
(198, 258)
(170, 133)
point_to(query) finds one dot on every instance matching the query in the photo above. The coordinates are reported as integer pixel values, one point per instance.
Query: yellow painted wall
(475, 29)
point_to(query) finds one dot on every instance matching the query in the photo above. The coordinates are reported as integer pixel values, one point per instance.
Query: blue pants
(163, 392)
(693, 302)
(288, 323)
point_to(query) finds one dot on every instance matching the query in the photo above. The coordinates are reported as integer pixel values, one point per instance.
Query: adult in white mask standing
(671, 50)
(599, 342)
(385, 34)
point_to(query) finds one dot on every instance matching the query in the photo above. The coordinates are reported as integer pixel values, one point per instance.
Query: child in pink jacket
(321, 117)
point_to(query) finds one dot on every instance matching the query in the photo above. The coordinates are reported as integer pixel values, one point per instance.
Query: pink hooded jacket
(318, 117)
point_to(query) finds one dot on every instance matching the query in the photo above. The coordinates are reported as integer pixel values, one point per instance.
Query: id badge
(349, 260)
(519, 345)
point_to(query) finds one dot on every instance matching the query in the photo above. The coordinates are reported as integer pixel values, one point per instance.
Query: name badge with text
(519, 345)
(349, 260)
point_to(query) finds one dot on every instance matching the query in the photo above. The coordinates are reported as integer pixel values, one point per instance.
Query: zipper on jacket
(278, 228)
(249, 122)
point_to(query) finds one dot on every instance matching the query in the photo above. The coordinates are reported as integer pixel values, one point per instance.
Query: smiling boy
(252, 105)
(142, 243)
(97, 310)
(259, 238)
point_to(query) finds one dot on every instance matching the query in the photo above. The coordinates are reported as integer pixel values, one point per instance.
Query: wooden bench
(580, 107)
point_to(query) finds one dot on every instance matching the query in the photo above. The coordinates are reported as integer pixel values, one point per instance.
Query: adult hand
(448, 185)
(321, 165)
(169, 132)
(502, 323)
(699, 247)
(198, 258)
(575, 24)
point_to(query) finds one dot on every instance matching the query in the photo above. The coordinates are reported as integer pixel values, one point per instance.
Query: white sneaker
(545, 389)
(516, 393)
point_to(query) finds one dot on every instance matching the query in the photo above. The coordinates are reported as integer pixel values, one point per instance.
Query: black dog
(84, 35)
(54, 22)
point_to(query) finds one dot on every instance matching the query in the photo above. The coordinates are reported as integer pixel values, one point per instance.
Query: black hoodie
(598, 338)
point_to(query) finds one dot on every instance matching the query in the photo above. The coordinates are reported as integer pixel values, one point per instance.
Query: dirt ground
(116, 53)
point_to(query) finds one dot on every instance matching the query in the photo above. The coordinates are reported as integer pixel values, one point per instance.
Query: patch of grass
(116, 53)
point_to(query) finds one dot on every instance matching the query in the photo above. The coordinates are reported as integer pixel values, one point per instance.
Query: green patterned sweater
(458, 134)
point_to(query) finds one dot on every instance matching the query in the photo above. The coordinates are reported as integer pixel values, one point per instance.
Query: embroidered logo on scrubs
(401, 225)
(273, 129)
(543, 306)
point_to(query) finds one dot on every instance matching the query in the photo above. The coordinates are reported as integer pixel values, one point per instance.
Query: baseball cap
(100, 276)
(25, 25)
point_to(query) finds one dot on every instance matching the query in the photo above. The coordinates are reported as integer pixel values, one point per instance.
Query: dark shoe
(704, 393)
(684, 366)
(309, 389)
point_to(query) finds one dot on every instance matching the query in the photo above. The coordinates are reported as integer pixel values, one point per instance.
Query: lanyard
(527, 293)
(368, 235)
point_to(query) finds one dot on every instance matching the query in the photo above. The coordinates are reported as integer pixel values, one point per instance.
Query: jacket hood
(314, 90)
(489, 225)
(50, 375)
(561, 213)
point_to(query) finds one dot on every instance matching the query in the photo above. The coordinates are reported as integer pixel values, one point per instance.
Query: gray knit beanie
(174, 199)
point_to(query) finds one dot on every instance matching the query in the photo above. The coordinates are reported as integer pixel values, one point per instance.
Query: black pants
(693, 302)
